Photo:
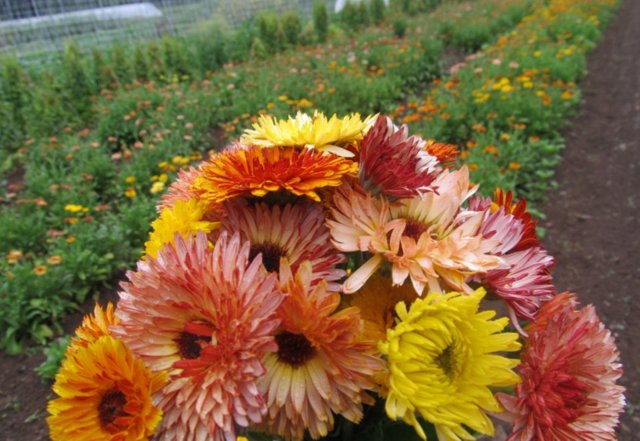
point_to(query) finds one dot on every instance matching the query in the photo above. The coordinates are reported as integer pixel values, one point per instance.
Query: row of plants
(505, 105)
(42, 100)
(81, 211)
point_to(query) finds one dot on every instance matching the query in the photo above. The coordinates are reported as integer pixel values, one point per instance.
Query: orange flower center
(195, 335)
(111, 407)
(271, 255)
(294, 349)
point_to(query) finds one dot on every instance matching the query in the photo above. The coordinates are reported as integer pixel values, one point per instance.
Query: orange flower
(54, 260)
(40, 270)
(256, 171)
(104, 394)
(445, 153)
(94, 326)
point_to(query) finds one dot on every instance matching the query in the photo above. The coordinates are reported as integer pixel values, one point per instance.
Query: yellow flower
(130, 192)
(40, 270)
(157, 187)
(326, 134)
(130, 179)
(185, 217)
(74, 208)
(14, 256)
(442, 360)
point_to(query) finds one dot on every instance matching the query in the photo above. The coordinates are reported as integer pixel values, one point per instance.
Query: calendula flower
(94, 326)
(208, 317)
(527, 281)
(444, 153)
(184, 217)
(40, 270)
(427, 238)
(442, 357)
(569, 371)
(257, 171)
(104, 393)
(377, 301)
(334, 135)
(395, 164)
(54, 260)
(296, 232)
(14, 256)
(321, 368)
(181, 189)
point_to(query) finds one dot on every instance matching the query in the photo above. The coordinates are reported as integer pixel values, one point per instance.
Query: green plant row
(81, 212)
(507, 104)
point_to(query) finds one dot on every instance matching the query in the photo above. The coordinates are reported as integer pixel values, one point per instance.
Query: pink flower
(208, 317)
(395, 164)
(527, 281)
(322, 367)
(428, 238)
(569, 371)
(296, 232)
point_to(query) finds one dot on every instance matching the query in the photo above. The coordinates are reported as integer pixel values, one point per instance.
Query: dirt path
(593, 227)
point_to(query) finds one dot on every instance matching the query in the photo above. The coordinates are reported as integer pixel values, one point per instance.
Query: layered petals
(321, 367)
(442, 361)
(296, 232)
(569, 371)
(208, 317)
(256, 171)
(104, 394)
(335, 135)
(395, 164)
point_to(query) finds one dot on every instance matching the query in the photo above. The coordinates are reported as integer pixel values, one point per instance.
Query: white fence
(37, 29)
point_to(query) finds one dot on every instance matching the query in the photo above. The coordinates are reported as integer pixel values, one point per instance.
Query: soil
(592, 228)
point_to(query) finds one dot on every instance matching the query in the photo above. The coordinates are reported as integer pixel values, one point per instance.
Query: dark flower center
(111, 407)
(271, 255)
(194, 335)
(414, 229)
(445, 361)
(294, 349)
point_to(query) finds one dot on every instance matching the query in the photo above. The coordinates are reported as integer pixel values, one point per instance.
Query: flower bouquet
(340, 279)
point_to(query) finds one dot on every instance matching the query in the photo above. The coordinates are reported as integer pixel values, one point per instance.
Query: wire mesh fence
(38, 29)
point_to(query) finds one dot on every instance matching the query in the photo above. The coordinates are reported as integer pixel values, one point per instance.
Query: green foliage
(120, 63)
(399, 26)
(55, 353)
(15, 91)
(75, 81)
(48, 112)
(140, 64)
(377, 10)
(320, 20)
(292, 27)
(270, 32)
(414, 6)
(351, 17)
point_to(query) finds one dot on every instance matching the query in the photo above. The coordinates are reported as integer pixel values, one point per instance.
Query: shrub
(140, 65)
(270, 32)
(320, 20)
(292, 27)
(15, 85)
(377, 10)
(120, 63)
(399, 27)
(75, 82)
